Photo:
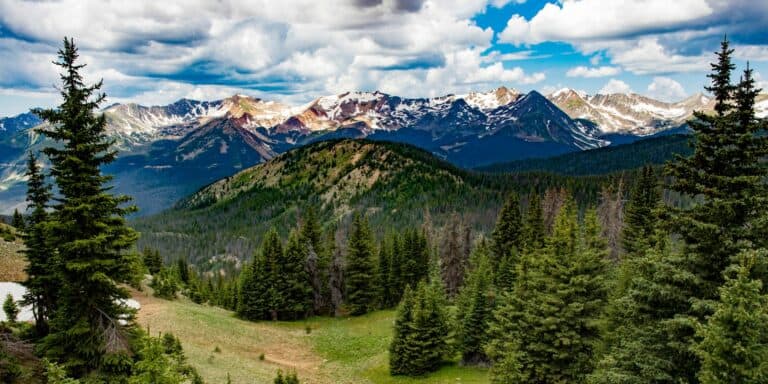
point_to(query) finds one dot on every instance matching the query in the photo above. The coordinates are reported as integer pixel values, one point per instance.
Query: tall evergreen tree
(509, 227)
(17, 221)
(401, 355)
(294, 280)
(10, 309)
(268, 272)
(639, 219)
(360, 271)
(475, 309)
(152, 260)
(383, 274)
(421, 331)
(42, 263)
(317, 260)
(550, 321)
(734, 340)
(726, 171)
(87, 226)
(642, 322)
(534, 230)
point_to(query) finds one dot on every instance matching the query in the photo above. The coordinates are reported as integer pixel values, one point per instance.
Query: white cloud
(666, 89)
(153, 52)
(648, 56)
(615, 86)
(599, 20)
(582, 71)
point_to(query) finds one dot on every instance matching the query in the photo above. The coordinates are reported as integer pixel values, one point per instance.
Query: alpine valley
(168, 152)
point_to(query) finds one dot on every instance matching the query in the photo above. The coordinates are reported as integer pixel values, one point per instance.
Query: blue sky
(155, 52)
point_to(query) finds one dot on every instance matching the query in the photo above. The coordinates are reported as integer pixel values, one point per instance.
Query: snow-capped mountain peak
(493, 99)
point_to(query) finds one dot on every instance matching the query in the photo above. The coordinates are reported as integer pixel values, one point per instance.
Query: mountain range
(168, 152)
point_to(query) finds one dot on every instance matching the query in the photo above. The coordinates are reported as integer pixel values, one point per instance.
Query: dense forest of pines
(620, 288)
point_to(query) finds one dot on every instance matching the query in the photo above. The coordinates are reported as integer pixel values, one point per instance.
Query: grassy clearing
(347, 350)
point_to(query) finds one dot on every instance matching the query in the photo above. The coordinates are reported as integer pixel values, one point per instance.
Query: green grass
(336, 350)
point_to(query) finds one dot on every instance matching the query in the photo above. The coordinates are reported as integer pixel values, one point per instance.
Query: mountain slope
(393, 183)
(653, 151)
(629, 113)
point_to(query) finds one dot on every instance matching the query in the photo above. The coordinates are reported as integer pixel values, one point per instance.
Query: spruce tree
(268, 272)
(383, 275)
(396, 281)
(421, 331)
(642, 321)
(430, 327)
(734, 340)
(42, 263)
(550, 321)
(360, 271)
(87, 227)
(317, 259)
(10, 309)
(475, 306)
(17, 221)
(727, 173)
(401, 355)
(152, 260)
(294, 280)
(509, 228)
(639, 219)
(534, 230)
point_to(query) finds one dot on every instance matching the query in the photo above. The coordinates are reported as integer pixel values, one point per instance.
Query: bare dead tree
(610, 212)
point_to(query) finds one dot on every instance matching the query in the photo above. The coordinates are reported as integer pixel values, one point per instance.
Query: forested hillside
(395, 185)
(653, 151)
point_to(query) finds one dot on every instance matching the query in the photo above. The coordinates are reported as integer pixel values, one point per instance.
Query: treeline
(612, 159)
(234, 228)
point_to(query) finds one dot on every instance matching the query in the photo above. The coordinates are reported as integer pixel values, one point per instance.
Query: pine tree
(734, 340)
(288, 378)
(259, 296)
(429, 327)
(360, 271)
(421, 331)
(726, 171)
(42, 263)
(272, 297)
(294, 280)
(182, 267)
(475, 307)
(18, 221)
(383, 275)
(414, 256)
(550, 321)
(10, 309)
(533, 228)
(317, 260)
(154, 366)
(152, 260)
(87, 226)
(642, 321)
(639, 219)
(509, 227)
(401, 355)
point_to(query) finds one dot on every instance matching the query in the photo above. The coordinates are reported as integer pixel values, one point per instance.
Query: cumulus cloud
(582, 71)
(615, 86)
(666, 89)
(301, 49)
(567, 21)
(647, 36)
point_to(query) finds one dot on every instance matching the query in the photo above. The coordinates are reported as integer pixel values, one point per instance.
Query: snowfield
(25, 314)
